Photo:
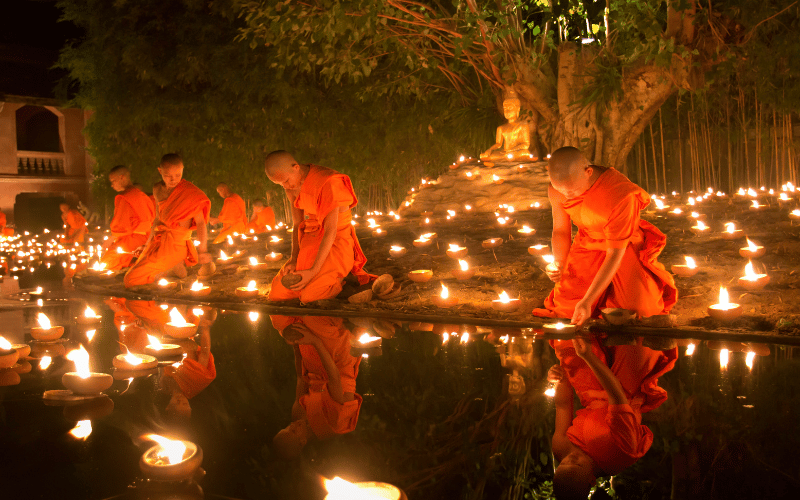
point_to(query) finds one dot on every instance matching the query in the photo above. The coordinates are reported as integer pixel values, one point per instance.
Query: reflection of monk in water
(615, 385)
(326, 403)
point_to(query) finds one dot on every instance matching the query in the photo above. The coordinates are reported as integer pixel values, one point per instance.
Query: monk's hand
(204, 257)
(582, 312)
(300, 334)
(555, 374)
(138, 251)
(289, 267)
(306, 275)
(553, 271)
(582, 347)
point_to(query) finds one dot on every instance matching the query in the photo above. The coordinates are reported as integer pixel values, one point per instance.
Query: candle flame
(730, 227)
(445, 293)
(659, 204)
(82, 430)
(723, 358)
(163, 282)
(701, 226)
(90, 334)
(749, 359)
(495, 177)
(253, 316)
(176, 318)
(749, 272)
(99, 266)
(796, 212)
(366, 338)
(723, 296)
(690, 263)
(89, 313)
(154, 344)
(559, 326)
(253, 261)
(549, 258)
(222, 255)
(755, 204)
(690, 349)
(751, 247)
(504, 298)
(196, 286)
(44, 321)
(45, 362)
(463, 264)
(132, 359)
(454, 247)
(396, 248)
(550, 392)
(171, 450)
(81, 360)
(526, 229)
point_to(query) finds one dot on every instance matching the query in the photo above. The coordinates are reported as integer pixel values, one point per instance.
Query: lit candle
(660, 206)
(165, 284)
(339, 489)
(420, 275)
(731, 232)
(8, 355)
(723, 359)
(559, 327)
(505, 303)
(700, 228)
(724, 310)
(455, 251)
(134, 362)
(492, 243)
(255, 265)
(170, 460)
(422, 242)
(752, 280)
(177, 327)
(463, 272)
(538, 250)
(496, 179)
(686, 270)
(752, 251)
(83, 381)
(527, 230)
(273, 257)
(198, 289)
(397, 251)
(247, 291)
(755, 205)
(156, 348)
(89, 317)
(444, 300)
(46, 331)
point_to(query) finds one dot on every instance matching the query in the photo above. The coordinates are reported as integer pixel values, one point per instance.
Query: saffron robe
(325, 416)
(613, 435)
(233, 217)
(324, 190)
(607, 216)
(192, 377)
(259, 222)
(171, 244)
(7, 231)
(130, 226)
(73, 222)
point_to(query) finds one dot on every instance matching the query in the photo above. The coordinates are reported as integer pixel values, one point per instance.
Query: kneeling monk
(324, 244)
(74, 225)
(130, 226)
(612, 261)
(232, 216)
(263, 218)
(181, 207)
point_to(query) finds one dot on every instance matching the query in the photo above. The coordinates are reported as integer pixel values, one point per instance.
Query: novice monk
(181, 207)
(612, 261)
(130, 226)
(326, 403)
(5, 231)
(74, 223)
(607, 434)
(324, 244)
(233, 215)
(263, 218)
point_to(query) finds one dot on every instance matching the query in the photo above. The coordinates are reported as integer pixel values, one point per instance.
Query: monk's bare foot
(180, 271)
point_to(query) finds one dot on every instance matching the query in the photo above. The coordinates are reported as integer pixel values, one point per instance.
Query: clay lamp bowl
(45, 331)
(538, 250)
(246, 292)
(255, 265)
(492, 243)
(156, 349)
(425, 221)
(752, 280)
(526, 231)
(731, 233)
(24, 350)
(51, 349)
(456, 252)
(795, 214)
(752, 251)
(164, 284)
(496, 179)
(134, 362)
(339, 489)
(700, 229)
(178, 327)
(396, 251)
(378, 232)
(199, 290)
(724, 310)
(9, 378)
(505, 303)
(36, 294)
(93, 384)
(91, 409)
(170, 460)
(463, 272)
(223, 259)
(8, 355)
(756, 206)
(559, 328)
(422, 242)
(89, 317)
(444, 300)
(617, 316)
(685, 270)
(420, 275)
(273, 257)
(697, 216)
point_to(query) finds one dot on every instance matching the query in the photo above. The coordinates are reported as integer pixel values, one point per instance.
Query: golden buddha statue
(513, 138)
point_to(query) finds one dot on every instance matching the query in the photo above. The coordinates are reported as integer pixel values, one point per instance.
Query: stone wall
(483, 188)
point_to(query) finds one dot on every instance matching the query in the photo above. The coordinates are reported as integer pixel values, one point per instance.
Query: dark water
(437, 417)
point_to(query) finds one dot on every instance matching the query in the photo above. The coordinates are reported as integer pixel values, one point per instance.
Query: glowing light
(171, 450)
(253, 316)
(223, 256)
(197, 286)
(5, 344)
(463, 265)
(82, 430)
(464, 337)
(445, 293)
(549, 258)
(176, 318)
(690, 263)
(749, 359)
(163, 282)
(89, 313)
(751, 247)
(690, 349)
(45, 362)
(504, 298)
(251, 285)
(366, 338)
(81, 360)
(44, 321)
(550, 392)
(90, 334)
(723, 358)
(730, 227)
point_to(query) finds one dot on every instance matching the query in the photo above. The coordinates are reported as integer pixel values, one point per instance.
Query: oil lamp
(82, 430)
(497, 179)
(456, 252)
(397, 251)
(752, 280)
(8, 355)
(724, 310)
(199, 290)
(559, 327)
(89, 317)
(700, 228)
(731, 233)
(752, 251)
(755, 205)
(420, 275)
(660, 207)
(165, 284)
(422, 242)
(538, 250)
(273, 257)
(463, 272)
(170, 460)
(247, 291)
(492, 243)
(675, 213)
(177, 327)
(339, 489)
(46, 331)
(157, 349)
(255, 265)
(134, 362)
(444, 300)
(685, 270)
(526, 230)
(83, 381)
(505, 303)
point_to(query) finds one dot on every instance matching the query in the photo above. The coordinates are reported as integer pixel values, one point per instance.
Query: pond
(440, 411)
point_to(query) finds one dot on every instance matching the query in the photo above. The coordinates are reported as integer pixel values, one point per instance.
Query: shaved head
(120, 178)
(224, 190)
(120, 170)
(566, 163)
(282, 169)
(278, 160)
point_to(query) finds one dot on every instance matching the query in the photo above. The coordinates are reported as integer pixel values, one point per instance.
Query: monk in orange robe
(181, 207)
(7, 231)
(233, 215)
(263, 218)
(326, 403)
(324, 244)
(612, 261)
(130, 226)
(74, 225)
(606, 435)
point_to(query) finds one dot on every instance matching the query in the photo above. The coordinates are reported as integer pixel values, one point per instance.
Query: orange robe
(7, 231)
(613, 435)
(324, 190)
(607, 216)
(191, 376)
(261, 220)
(171, 244)
(74, 221)
(233, 217)
(133, 216)
(325, 416)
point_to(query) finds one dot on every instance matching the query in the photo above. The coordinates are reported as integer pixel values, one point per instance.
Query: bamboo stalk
(730, 146)
(663, 155)
(680, 144)
(653, 146)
